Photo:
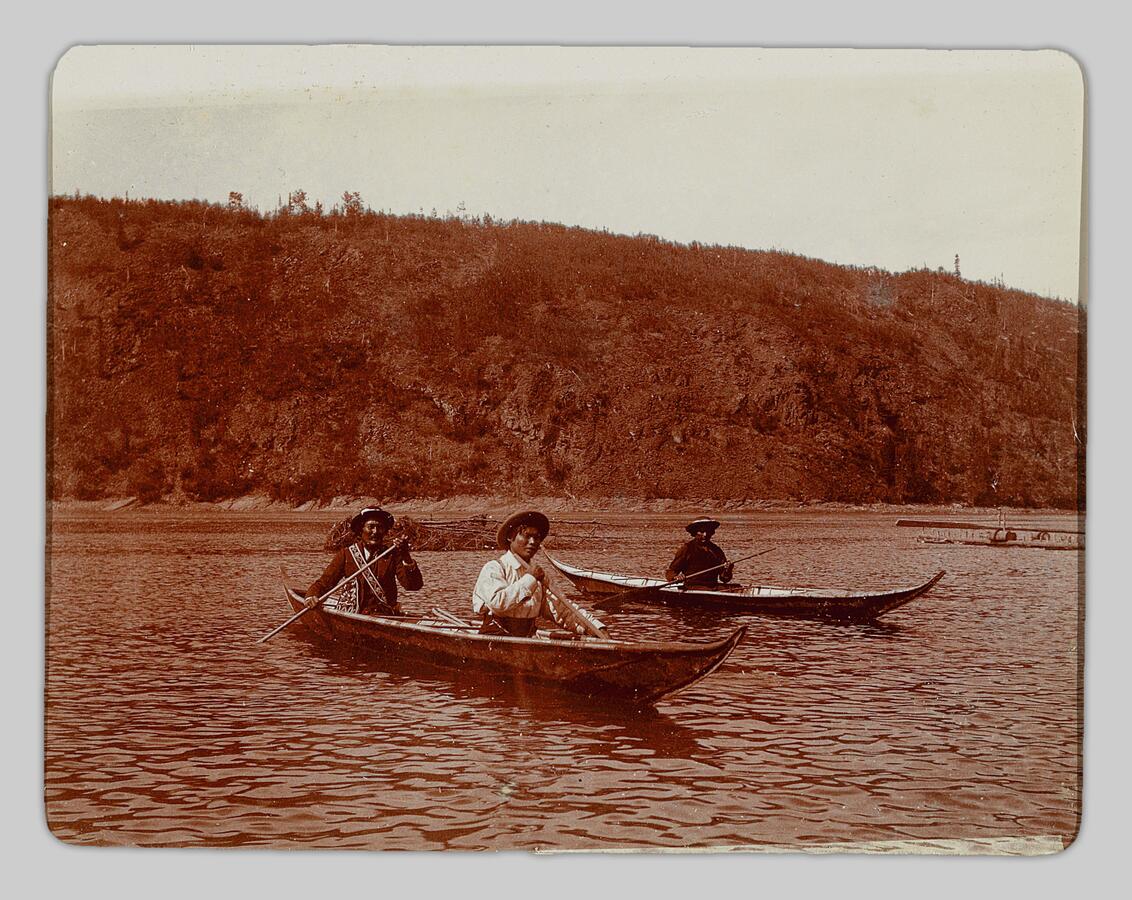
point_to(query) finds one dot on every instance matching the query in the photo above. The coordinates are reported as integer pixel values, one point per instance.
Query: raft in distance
(1000, 535)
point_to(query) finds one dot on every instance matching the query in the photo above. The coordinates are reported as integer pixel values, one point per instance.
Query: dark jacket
(388, 571)
(694, 557)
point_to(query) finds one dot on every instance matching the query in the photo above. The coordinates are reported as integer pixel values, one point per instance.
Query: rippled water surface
(954, 719)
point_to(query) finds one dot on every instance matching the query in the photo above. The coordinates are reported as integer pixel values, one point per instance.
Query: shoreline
(492, 506)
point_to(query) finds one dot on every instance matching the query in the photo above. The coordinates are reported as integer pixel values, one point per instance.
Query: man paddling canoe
(374, 593)
(698, 554)
(512, 592)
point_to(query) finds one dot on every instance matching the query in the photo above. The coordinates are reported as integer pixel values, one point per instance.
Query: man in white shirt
(510, 593)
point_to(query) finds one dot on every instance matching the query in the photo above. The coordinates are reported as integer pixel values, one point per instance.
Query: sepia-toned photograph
(542, 448)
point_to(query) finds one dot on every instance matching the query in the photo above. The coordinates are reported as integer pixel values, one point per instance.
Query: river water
(952, 725)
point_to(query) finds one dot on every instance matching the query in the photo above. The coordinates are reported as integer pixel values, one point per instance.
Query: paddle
(450, 619)
(588, 621)
(612, 602)
(306, 609)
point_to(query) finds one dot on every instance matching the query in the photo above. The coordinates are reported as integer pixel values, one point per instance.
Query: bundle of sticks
(476, 533)
(466, 534)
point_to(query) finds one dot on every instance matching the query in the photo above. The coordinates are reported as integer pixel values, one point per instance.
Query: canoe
(637, 672)
(810, 603)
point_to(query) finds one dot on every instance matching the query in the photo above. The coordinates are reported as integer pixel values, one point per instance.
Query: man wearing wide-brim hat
(511, 591)
(374, 592)
(698, 554)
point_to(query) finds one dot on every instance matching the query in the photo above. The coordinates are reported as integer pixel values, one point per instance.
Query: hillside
(198, 352)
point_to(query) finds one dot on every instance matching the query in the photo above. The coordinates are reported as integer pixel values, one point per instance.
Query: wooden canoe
(609, 670)
(810, 603)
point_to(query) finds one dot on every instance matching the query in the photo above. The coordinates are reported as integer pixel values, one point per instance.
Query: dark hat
(708, 525)
(520, 520)
(371, 512)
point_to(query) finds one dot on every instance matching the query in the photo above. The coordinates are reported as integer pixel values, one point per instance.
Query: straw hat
(708, 525)
(371, 512)
(520, 520)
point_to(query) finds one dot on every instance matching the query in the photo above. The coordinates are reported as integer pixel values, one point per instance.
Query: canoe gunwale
(588, 643)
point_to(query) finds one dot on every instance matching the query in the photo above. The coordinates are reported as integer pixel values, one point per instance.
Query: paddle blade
(302, 612)
(574, 617)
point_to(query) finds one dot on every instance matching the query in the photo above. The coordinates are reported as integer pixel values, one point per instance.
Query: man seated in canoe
(374, 592)
(698, 554)
(511, 592)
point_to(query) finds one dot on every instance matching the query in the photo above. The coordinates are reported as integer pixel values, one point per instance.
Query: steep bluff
(200, 352)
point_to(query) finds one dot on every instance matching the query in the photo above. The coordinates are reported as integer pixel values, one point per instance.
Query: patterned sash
(368, 575)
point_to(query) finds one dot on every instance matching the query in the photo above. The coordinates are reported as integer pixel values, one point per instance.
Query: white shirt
(505, 590)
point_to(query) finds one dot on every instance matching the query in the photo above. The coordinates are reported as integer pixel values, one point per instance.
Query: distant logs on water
(476, 533)
(465, 534)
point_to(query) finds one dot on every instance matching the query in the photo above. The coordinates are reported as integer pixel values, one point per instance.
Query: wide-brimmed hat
(521, 520)
(371, 512)
(708, 525)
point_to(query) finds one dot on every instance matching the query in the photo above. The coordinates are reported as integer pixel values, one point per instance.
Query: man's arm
(728, 570)
(333, 573)
(408, 572)
(679, 565)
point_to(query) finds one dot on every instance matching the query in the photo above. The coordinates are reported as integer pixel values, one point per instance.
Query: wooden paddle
(587, 620)
(451, 619)
(612, 602)
(306, 609)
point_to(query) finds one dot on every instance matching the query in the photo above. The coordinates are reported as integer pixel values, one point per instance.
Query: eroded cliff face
(202, 353)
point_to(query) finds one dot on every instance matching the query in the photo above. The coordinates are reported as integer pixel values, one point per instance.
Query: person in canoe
(698, 554)
(375, 592)
(511, 592)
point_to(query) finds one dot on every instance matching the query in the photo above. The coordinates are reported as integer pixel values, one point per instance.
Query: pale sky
(897, 159)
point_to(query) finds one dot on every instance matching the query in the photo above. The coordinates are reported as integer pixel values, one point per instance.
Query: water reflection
(473, 693)
(705, 623)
